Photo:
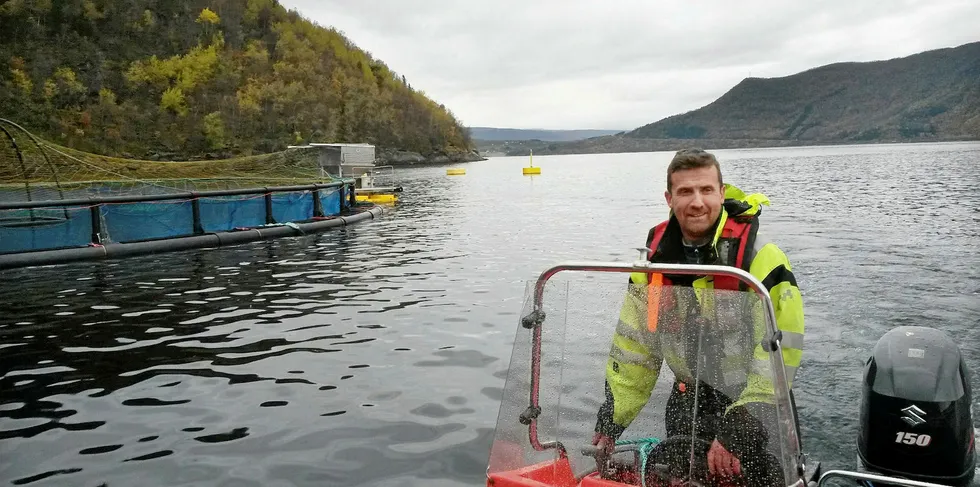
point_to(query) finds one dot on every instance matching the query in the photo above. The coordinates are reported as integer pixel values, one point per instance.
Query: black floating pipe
(96, 211)
(196, 215)
(210, 240)
(317, 205)
(166, 197)
(269, 220)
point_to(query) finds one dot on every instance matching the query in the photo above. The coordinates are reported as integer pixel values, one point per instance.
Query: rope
(646, 447)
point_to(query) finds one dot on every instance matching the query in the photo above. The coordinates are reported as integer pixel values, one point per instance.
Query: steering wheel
(672, 463)
(605, 462)
(668, 464)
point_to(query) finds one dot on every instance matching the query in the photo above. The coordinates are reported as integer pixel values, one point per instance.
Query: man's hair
(691, 159)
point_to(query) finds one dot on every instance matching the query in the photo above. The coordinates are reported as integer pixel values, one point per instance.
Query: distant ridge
(929, 96)
(500, 134)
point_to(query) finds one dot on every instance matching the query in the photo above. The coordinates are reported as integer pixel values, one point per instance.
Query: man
(709, 223)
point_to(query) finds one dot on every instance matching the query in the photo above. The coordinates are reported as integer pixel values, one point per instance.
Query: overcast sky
(620, 64)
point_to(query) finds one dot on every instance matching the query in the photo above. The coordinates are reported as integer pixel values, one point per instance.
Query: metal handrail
(382, 175)
(536, 317)
(166, 197)
(882, 479)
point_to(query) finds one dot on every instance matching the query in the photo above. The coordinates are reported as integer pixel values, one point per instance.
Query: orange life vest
(735, 237)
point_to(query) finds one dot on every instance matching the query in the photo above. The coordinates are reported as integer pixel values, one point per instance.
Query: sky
(621, 64)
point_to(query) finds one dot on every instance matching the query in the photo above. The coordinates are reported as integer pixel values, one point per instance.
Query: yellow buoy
(377, 198)
(455, 172)
(531, 169)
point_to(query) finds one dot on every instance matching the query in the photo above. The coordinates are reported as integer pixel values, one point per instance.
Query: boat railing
(868, 479)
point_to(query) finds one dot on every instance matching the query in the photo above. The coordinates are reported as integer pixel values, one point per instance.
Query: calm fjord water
(375, 354)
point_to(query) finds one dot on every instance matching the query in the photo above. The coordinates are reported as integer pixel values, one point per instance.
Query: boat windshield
(672, 371)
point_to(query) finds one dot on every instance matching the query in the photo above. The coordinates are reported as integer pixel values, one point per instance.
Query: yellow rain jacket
(638, 350)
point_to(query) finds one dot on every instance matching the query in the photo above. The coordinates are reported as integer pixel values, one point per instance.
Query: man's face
(696, 198)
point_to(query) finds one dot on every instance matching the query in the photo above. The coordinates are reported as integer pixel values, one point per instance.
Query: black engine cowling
(916, 418)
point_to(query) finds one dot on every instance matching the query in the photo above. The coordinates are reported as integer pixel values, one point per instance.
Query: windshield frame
(535, 319)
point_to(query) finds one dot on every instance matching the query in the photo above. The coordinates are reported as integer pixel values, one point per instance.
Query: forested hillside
(203, 78)
(929, 95)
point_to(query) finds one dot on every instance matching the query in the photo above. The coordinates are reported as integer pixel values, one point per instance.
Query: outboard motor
(916, 417)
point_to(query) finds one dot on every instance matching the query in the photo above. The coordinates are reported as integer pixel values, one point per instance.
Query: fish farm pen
(59, 205)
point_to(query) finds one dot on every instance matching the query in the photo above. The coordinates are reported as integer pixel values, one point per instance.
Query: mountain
(501, 134)
(205, 78)
(929, 96)
(506, 141)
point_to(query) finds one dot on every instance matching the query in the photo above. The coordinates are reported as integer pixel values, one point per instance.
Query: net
(32, 169)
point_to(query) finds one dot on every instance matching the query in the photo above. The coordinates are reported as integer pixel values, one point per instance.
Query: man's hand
(606, 446)
(721, 462)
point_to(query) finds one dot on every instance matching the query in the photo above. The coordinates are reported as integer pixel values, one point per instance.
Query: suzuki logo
(913, 415)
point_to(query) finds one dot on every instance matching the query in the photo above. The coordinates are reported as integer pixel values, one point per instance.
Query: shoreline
(660, 145)
(402, 158)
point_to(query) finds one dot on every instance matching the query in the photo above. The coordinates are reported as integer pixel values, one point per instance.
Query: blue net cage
(24, 230)
(52, 197)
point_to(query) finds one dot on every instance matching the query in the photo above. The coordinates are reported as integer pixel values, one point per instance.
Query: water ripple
(375, 354)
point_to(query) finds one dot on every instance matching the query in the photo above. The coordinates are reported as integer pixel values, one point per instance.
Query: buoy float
(527, 171)
(455, 172)
(378, 198)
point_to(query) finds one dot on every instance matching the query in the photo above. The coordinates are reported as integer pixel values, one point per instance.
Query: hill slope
(935, 93)
(930, 96)
(204, 78)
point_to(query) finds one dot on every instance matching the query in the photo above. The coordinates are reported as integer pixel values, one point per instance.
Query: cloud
(588, 64)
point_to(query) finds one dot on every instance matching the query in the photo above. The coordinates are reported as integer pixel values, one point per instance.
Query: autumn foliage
(139, 78)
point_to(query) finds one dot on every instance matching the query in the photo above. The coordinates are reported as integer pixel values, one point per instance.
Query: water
(375, 354)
